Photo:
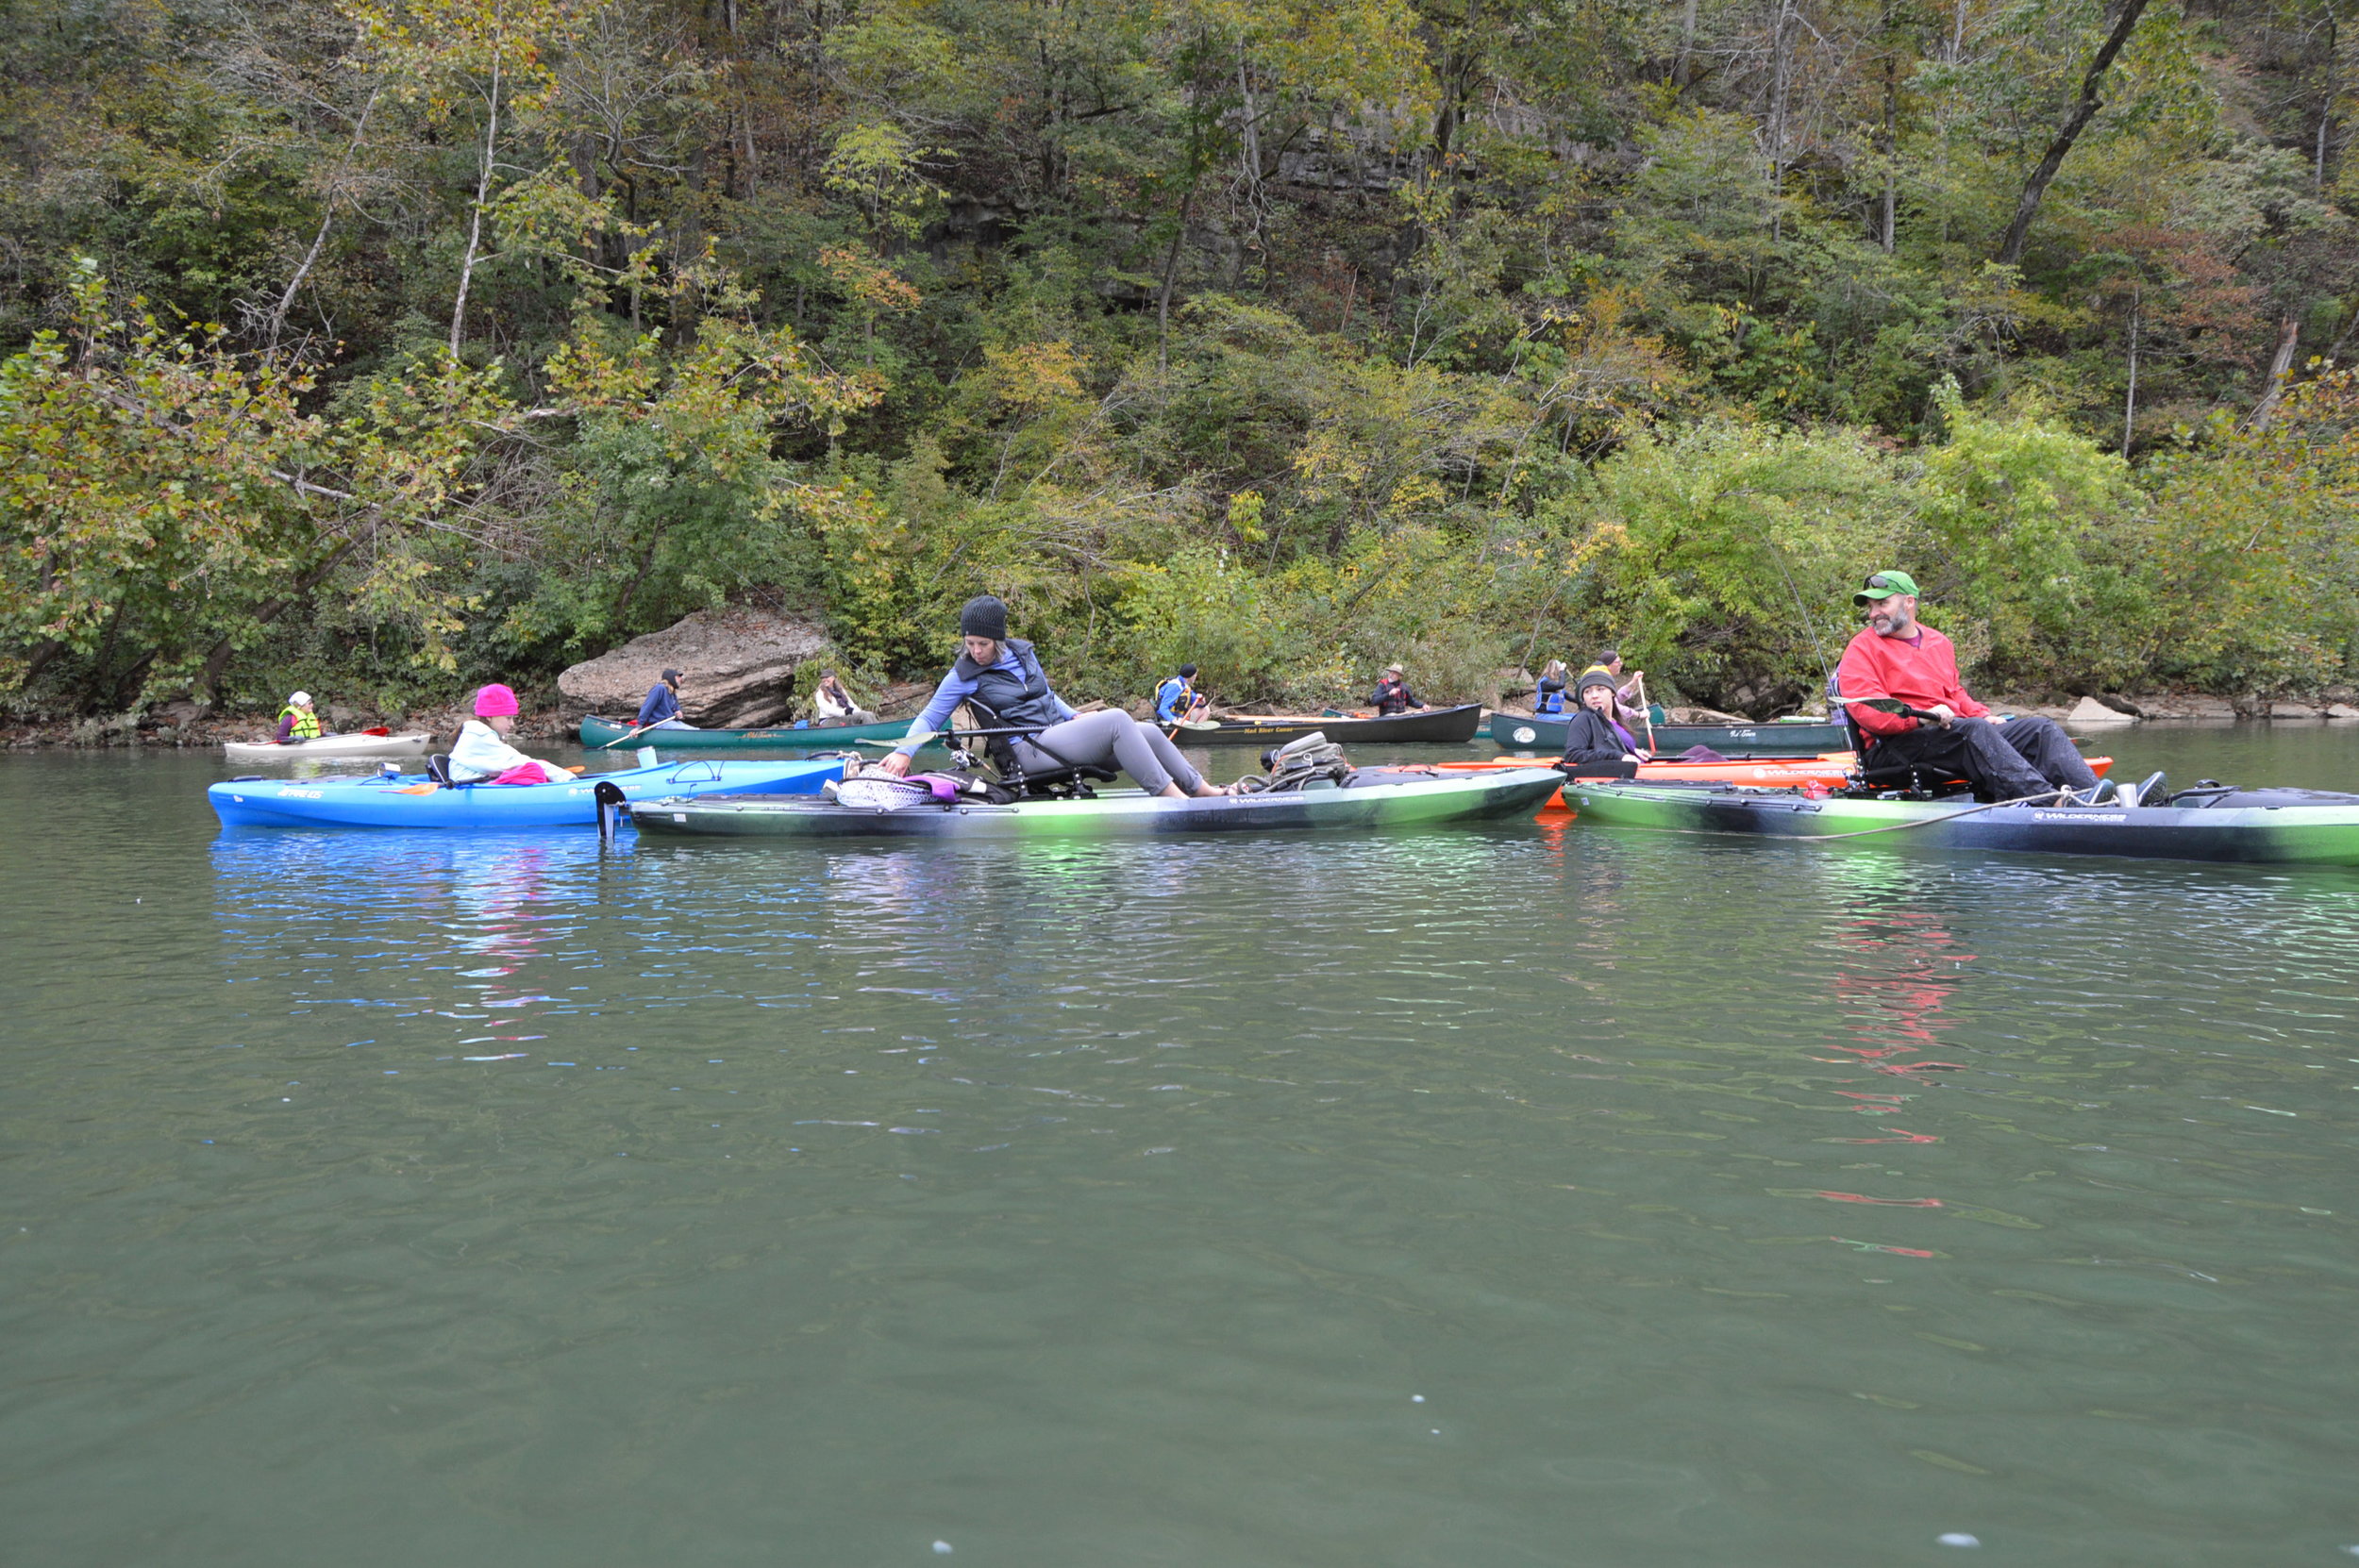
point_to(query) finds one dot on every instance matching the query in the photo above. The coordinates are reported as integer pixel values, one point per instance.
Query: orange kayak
(1831, 768)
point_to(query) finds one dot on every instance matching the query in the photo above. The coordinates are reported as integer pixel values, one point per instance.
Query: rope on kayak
(2053, 797)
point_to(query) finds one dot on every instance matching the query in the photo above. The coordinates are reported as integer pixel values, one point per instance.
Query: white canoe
(412, 745)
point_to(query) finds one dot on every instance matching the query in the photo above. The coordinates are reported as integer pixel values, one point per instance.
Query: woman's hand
(1632, 757)
(896, 763)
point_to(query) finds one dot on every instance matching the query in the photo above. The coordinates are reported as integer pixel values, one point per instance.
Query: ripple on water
(1721, 1195)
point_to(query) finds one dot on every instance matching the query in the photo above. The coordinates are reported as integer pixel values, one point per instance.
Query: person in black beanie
(1004, 675)
(1595, 745)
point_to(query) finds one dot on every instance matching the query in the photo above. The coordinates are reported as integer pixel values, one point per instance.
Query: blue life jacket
(1549, 700)
(1172, 699)
(1027, 701)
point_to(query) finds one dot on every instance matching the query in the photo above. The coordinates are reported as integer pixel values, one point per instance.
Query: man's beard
(1885, 623)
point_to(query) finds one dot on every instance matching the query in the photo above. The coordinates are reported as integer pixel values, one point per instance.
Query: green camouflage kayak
(2211, 823)
(1378, 798)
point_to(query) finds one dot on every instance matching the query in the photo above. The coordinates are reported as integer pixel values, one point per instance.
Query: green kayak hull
(1382, 798)
(1522, 732)
(597, 733)
(2325, 834)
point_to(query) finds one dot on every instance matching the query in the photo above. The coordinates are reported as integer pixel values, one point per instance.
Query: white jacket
(479, 754)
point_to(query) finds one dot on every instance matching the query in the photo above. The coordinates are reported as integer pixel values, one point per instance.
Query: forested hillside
(384, 345)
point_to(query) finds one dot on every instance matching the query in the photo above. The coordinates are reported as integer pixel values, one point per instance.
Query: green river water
(1527, 1195)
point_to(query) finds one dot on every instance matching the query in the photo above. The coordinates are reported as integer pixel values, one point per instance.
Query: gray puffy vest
(1024, 701)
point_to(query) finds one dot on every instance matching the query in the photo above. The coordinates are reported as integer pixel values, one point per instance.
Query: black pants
(2003, 761)
(1606, 767)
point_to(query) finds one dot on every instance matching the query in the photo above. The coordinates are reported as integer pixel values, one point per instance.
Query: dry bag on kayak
(1299, 765)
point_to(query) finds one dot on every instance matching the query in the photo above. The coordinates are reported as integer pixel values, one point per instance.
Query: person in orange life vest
(1898, 656)
(481, 755)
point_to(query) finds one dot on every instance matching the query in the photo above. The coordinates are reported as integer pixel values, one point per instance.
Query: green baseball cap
(1883, 585)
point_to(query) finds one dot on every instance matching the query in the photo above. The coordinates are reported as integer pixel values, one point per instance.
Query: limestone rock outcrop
(738, 666)
(2088, 712)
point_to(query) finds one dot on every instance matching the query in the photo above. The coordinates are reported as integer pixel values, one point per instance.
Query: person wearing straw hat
(297, 721)
(481, 755)
(1392, 694)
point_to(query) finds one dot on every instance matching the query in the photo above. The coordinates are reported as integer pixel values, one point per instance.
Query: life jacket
(1549, 704)
(307, 723)
(1173, 699)
(1021, 699)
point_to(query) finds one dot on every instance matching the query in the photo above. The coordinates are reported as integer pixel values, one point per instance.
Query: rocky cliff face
(738, 667)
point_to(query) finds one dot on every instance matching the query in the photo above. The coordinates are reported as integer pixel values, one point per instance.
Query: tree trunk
(2011, 247)
(327, 216)
(1781, 71)
(217, 660)
(2130, 404)
(1890, 146)
(1171, 275)
(2281, 366)
(482, 194)
(1687, 47)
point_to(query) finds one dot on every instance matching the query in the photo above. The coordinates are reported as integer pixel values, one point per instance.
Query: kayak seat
(1912, 776)
(437, 769)
(974, 722)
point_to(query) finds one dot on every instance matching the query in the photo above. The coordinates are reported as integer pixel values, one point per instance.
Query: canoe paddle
(620, 738)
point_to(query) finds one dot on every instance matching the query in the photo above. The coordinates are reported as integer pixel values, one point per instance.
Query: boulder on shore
(738, 667)
(2089, 712)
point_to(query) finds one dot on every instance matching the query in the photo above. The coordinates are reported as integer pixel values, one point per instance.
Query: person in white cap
(296, 721)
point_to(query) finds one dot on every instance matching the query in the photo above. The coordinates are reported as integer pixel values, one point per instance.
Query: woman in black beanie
(1595, 745)
(1003, 673)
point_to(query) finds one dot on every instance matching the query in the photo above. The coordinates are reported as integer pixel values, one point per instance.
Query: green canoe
(2272, 827)
(597, 733)
(1378, 798)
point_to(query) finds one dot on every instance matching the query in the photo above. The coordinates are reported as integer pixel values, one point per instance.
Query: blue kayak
(412, 800)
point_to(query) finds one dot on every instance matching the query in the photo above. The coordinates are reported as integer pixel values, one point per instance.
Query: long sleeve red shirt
(1920, 670)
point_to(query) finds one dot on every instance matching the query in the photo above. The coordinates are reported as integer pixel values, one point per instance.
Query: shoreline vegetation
(393, 347)
(560, 723)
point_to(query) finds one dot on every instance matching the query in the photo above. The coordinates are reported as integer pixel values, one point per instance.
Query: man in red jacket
(1899, 656)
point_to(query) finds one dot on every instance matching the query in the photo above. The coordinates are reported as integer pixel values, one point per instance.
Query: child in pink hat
(481, 755)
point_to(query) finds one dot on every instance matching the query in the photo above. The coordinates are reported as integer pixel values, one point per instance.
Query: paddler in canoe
(1547, 701)
(1004, 675)
(831, 703)
(1392, 694)
(1896, 658)
(481, 755)
(661, 709)
(1177, 701)
(1597, 744)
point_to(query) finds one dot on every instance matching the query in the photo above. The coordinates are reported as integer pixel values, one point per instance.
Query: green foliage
(2035, 534)
(472, 336)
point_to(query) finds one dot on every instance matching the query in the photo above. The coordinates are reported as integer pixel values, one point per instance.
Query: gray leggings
(1113, 737)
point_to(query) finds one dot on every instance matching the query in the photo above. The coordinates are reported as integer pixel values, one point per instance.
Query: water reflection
(1523, 1194)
